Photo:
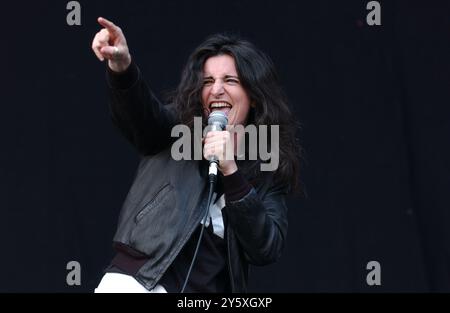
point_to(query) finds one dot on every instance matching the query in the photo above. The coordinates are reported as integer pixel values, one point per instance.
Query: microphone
(217, 121)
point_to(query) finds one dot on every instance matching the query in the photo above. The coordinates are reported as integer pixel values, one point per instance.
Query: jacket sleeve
(260, 223)
(137, 113)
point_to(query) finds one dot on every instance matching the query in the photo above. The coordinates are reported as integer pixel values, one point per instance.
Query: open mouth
(223, 106)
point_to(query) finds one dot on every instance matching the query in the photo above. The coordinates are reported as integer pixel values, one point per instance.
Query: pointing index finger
(108, 25)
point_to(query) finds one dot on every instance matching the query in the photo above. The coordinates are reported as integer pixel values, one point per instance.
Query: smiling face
(222, 90)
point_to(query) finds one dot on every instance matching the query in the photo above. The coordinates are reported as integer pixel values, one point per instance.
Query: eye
(232, 81)
(207, 82)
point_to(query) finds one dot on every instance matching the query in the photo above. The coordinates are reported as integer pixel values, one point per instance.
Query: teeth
(219, 105)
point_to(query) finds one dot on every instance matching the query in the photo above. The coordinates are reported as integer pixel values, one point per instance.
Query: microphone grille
(218, 118)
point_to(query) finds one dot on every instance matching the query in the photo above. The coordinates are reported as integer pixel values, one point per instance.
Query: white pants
(121, 283)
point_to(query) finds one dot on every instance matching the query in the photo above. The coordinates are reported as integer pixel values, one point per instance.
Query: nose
(217, 88)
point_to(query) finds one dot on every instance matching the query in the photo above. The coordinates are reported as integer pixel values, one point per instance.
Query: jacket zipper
(151, 203)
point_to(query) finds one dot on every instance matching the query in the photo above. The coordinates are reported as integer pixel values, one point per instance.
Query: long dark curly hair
(258, 77)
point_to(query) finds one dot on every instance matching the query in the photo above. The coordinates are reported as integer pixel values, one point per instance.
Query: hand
(110, 44)
(219, 144)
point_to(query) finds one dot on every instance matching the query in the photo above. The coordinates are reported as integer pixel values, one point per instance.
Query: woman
(162, 218)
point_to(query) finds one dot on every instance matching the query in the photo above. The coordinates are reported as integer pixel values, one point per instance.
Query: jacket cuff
(235, 186)
(123, 80)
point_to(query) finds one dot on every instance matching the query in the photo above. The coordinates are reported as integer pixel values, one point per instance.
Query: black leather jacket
(165, 202)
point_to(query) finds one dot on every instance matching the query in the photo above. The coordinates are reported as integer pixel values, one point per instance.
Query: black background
(373, 101)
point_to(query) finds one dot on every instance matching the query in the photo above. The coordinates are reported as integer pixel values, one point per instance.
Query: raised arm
(135, 110)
